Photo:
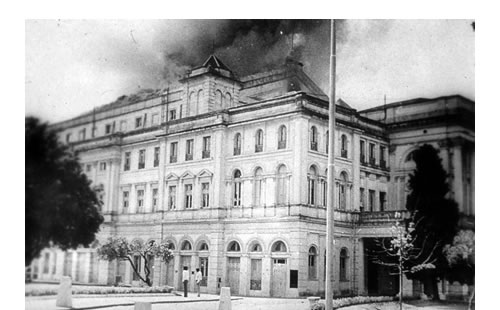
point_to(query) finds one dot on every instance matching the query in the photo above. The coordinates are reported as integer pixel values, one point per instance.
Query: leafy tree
(436, 215)
(61, 209)
(461, 256)
(121, 249)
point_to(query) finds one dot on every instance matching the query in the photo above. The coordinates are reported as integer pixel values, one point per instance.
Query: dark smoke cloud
(251, 46)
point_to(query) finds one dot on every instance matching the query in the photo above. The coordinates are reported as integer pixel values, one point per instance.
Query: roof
(214, 62)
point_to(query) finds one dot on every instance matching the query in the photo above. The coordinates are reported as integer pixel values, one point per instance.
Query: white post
(225, 298)
(64, 293)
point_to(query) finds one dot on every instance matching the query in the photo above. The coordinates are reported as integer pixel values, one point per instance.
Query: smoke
(245, 46)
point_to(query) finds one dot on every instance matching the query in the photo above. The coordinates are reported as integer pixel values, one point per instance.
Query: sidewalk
(88, 302)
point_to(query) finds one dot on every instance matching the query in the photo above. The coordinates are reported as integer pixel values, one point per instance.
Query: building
(232, 172)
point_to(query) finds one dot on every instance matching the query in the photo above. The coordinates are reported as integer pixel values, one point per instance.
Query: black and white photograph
(284, 164)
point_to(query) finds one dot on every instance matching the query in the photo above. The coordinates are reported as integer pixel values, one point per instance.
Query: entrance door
(278, 280)
(185, 261)
(233, 274)
(170, 272)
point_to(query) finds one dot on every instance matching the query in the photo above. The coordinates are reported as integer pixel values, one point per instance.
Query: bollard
(64, 293)
(225, 298)
(142, 305)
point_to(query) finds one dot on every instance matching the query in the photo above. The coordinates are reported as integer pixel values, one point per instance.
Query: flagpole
(331, 177)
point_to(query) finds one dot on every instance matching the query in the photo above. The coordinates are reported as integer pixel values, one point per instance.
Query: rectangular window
(371, 201)
(137, 263)
(188, 196)
(172, 115)
(372, 153)
(123, 126)
(155, 119)
(138, 122)
(156, 160)
(382, 200)
(140, 200)
(294, 278)
(102, 166)
(361, 199)
(107, 129)
(125, 201)
(94, 131)
(362, 153)
(206, 148)
(205, 196)
(383, 163)
(142, 159)
(189, 149)
(171, 197)
(256, 274)
(204, 270)
(88, 168)
(154, 202)
(68, 137)
(126, 163)
(81, 134)
(173, 152)
(54, 263)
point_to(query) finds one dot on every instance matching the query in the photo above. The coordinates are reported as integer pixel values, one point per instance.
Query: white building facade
(232, 172)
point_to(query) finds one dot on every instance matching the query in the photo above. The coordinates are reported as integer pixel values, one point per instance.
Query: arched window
(229, 101)
(258, 187)
(256, 247)
(198, 101)
(203, 247)
(311, 185)
(186, 246)
(343, 264)
(233, 247)
(313, 263)
(218, 99)
(259, 141)
(192, 104)
(282, 137)
(237, 188)
(343, 191)
(237, 144)
(343, 146)
(171, 245)
(278, 246)
(282, 185)
(314, 138)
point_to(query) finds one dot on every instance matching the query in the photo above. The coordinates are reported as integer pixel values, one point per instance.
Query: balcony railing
(189, 156)
(173, 159)
(237, 151)
(362, 159)
(383, 216)
(343, 153)
(314, 146)
(372, 161)
(205, 154)
(258, 148)
(281, 145)
(383, 164)
(141, 165)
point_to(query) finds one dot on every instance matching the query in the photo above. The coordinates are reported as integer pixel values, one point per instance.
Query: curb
(152, 302)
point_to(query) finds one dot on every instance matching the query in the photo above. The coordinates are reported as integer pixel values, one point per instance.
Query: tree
(121, 249)
(401, 249)
(461, 257)
(61, 208)
(436, 215)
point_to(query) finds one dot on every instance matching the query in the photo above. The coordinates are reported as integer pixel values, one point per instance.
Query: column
(458, 177)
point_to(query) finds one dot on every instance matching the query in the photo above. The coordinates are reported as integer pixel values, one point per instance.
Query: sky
(73, 66)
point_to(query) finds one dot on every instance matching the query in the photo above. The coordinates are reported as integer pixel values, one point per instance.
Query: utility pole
(331, 177)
